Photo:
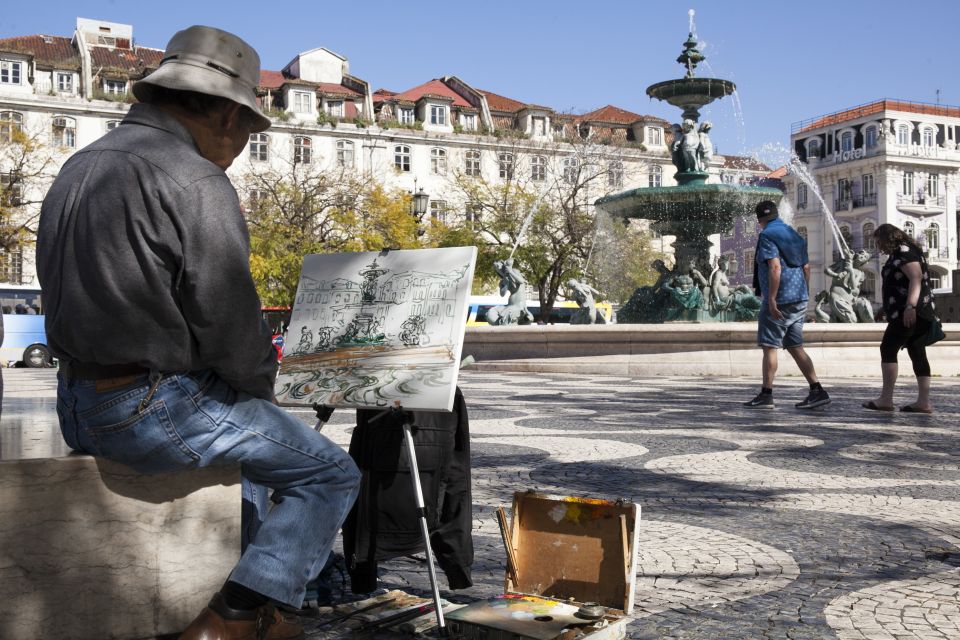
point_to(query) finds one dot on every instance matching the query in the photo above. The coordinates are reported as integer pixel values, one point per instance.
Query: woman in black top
(908, 306)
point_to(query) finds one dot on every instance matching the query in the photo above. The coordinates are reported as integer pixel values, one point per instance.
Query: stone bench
(91, 550)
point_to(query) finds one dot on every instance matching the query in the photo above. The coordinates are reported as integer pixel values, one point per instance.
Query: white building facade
(69, 91)
(888, 161)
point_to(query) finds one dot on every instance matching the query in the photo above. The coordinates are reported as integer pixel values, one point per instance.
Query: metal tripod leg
(421, 509)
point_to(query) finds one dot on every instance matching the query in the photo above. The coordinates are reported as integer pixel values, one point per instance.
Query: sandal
(907, 408)
(873, 406)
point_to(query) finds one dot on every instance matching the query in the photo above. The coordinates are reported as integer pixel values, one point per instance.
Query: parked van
(25, 340)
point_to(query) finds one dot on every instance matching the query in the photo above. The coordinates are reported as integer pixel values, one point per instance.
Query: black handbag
(934, 334)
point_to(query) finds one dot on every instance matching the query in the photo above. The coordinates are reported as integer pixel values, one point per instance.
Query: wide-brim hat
(210, 61)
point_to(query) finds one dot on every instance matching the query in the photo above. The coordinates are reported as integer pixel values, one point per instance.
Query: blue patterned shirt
(779, 240)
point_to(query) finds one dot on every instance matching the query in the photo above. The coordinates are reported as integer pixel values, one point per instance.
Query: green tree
(303, 209)
(26, 164)
(541, 202)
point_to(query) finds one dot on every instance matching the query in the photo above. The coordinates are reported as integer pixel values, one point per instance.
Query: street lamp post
(418, 205)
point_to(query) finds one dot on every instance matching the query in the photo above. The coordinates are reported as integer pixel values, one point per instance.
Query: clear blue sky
(790, 61)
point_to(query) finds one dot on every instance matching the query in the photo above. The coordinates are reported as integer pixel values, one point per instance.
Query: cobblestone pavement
(833, 523)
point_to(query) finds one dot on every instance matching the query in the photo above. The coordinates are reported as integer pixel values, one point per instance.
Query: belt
(97, 371)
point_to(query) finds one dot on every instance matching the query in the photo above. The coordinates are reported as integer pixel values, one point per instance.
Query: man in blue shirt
(783, 278)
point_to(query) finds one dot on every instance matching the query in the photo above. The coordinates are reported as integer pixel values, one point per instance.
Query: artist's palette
(522, 616)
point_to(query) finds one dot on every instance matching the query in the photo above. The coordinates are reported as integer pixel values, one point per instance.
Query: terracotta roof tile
(497, 102)
(433, 88)
(271, 79)
(744, 163)
(135, 62)
(878, 107)
(47, 51)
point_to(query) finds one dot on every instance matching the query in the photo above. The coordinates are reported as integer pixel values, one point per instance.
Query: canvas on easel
(377, 328)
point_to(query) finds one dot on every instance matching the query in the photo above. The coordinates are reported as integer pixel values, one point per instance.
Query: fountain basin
(694, 203)
(686, 349)
(690, 94)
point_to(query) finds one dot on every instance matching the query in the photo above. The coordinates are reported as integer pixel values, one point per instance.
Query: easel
(323, 415)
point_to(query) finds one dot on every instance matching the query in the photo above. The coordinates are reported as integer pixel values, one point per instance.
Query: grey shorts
(781, 334)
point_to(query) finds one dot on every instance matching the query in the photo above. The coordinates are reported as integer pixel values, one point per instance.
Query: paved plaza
(837, 523)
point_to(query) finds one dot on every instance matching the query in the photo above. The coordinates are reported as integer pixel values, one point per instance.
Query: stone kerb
(91, 550)
(694, 349)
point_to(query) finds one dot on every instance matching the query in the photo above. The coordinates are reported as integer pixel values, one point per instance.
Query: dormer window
(405, 115)
(11, 72)
(115, 87)
(846, 141)
(335, 108)
(870, 137)
(929, 137)
(654, 136)
(302, 101)
(813, 148)
(65, 82)
(903, 134)
(438, 114)
(469, 121)
(539, 126)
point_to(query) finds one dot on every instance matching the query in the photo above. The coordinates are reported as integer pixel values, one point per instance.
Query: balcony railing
(854, 202)
(921, 199)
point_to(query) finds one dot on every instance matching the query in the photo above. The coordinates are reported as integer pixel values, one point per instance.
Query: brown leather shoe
(219, 622)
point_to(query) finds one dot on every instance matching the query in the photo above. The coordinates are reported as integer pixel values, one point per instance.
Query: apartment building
(68, 91)
(887, 161)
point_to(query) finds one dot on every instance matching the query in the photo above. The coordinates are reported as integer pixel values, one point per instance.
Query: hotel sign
(846, 156)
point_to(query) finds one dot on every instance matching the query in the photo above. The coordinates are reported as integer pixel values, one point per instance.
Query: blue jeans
(197, 420)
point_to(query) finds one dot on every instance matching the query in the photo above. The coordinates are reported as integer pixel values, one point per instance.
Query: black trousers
(897, 337)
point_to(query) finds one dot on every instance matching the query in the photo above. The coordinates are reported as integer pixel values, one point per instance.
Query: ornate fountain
(692, 211)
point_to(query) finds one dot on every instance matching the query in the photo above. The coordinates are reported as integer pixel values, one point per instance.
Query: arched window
(903, 134)
(302, 150)
(846, 141)
(11, 122)
(929, 137)
(615, 174)
(868, 242)
(64, 131)
(655, 178)
(870, 136)
(401, 157)
(910, 229)
(813, 148)
(472, 163)
(571, 169)
(259, 145)
(506, 165)
(538, 168)
(438, 161)
(802, 231)
(932, 236)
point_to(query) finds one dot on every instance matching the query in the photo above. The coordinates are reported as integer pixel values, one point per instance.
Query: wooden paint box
(571, 572)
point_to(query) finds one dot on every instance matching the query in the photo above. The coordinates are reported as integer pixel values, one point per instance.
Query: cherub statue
(843, 299)
(706, 146)
(687, 146)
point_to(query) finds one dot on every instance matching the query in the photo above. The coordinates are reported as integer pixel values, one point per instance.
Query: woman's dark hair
(889, 237)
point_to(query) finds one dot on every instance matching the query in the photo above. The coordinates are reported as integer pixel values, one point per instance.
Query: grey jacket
(143, 257)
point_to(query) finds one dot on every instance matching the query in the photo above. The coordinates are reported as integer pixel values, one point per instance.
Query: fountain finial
(691, 56)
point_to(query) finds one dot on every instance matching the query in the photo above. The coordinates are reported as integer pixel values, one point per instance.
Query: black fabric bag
(933, 335)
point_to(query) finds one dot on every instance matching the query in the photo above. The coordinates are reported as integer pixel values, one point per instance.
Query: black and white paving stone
(832, 523)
